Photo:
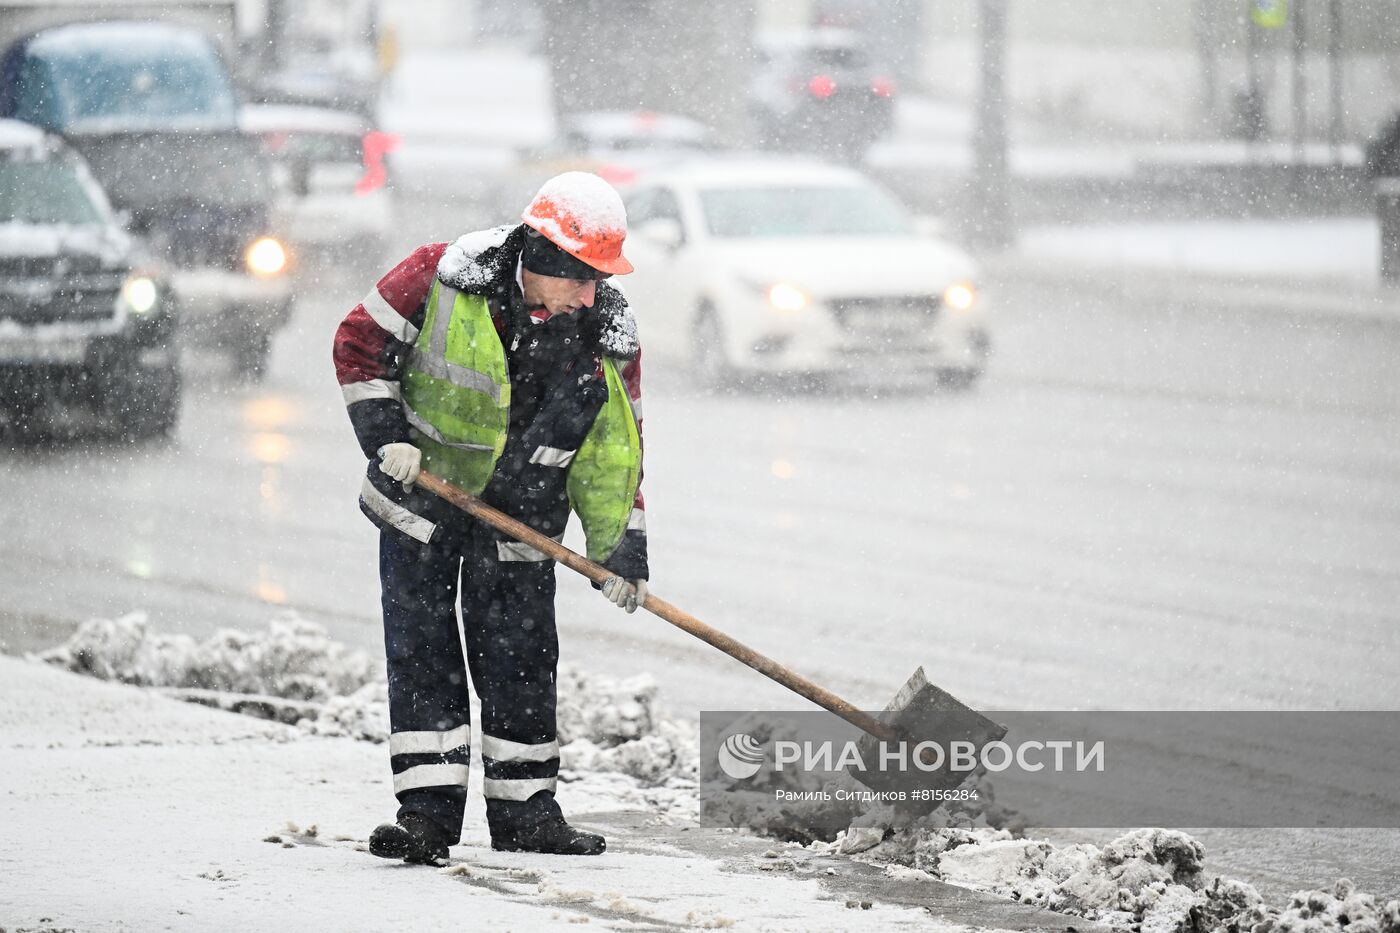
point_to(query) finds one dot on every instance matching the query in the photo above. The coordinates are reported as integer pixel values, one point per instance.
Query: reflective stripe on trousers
(437, 775)
(516, 789)
(506, 750)
(429, 743)
(518, 770)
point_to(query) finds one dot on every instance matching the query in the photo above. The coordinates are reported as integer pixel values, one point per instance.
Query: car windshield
(47, 192)
(845, 210)
(838, 58)
(144, 87)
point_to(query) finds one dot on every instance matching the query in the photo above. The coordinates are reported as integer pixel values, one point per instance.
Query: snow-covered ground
(125, 810)
(174, 819)
(1345, 249)
(1145, 506)
(1028, 542)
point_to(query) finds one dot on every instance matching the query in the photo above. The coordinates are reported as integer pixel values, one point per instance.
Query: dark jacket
(555, 369)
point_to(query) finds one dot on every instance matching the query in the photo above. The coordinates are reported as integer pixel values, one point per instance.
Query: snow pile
(294, 672)
(362, 715)
(293, 659)
(1343, 906)
(1148, 877)
(610, 725)
(1146, 881)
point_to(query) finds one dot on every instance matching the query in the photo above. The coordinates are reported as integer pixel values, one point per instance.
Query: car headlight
(960, 296)
(266, 257)
(140, 294)
(787, 298)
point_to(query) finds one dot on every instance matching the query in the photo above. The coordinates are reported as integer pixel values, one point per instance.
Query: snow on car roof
(117, 38)
(753, 171)
(637, 123)
(267, 118)
(822, 37)
(15, 134)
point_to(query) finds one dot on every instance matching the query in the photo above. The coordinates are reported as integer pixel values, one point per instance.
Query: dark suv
(86, 323)
(152, 109)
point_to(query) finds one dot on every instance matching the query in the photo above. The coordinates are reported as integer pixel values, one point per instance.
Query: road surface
(1140, 508)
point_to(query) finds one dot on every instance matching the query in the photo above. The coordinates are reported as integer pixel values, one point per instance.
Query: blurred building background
(1125, 70)
(1172, 69)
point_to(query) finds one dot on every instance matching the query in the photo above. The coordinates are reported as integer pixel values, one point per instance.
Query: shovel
(918, 706)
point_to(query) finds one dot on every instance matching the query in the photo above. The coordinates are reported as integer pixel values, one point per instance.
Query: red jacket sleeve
(370, 343)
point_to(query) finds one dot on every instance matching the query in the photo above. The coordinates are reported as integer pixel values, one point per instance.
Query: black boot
(414, 838)
(538, 825)
(554, 837)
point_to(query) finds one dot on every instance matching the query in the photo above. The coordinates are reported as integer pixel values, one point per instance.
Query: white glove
(625, 594)
(402, 462)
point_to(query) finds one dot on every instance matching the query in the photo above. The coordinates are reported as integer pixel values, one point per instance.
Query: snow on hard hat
(582, 215)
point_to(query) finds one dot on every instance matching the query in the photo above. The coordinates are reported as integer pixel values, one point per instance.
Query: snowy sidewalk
(1327, 266)
(127, 810)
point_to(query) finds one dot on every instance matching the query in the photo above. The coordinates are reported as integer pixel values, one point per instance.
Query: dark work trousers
(512, 654)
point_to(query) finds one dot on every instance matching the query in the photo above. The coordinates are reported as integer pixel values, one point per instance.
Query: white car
(798, 268)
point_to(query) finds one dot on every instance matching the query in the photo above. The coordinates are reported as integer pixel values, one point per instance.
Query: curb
(1298, 298)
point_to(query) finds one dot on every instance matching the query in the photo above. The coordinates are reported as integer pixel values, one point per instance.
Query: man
(506, 364)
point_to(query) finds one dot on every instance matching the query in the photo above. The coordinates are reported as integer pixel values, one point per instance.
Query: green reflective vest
(456, 395)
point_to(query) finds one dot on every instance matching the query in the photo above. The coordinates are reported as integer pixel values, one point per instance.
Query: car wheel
(959, 380)
(152, 408)
(23, 417)
(712, 367)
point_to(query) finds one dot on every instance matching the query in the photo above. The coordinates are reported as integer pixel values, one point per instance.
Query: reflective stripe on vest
(456, 392)
(520, 551)
(410, 523)
(606, 471)
(552, 456)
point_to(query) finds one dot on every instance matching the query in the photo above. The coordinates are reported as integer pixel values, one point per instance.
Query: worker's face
(556, 295)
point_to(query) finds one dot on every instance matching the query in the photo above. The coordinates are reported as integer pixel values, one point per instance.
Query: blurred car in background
(152, 109)
(617, 145)
(784, 266)
(331, 176)
(87, 323)
(322, 53)
(619, 140)
(318, 73)
(820, 91)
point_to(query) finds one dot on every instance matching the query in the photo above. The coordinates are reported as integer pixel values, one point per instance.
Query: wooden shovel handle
(657, 606)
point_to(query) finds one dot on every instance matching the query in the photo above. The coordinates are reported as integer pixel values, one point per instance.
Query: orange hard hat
(582, 214)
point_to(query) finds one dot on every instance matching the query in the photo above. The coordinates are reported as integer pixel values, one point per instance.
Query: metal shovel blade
(923, 712)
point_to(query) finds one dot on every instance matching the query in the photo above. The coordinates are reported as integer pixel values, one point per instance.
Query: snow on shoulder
(461, 265)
